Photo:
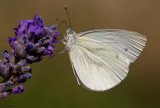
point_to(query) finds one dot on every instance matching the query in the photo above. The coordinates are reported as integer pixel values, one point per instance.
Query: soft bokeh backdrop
(53, 84)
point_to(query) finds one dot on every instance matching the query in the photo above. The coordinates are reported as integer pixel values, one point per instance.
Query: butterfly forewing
(127, 43)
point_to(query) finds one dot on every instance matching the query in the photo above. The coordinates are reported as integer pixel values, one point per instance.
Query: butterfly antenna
(68, 16)
(62, 22)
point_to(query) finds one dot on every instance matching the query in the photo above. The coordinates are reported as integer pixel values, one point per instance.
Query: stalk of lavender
(32, 40)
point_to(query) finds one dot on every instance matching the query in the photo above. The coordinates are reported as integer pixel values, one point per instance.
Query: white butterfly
(101, 58)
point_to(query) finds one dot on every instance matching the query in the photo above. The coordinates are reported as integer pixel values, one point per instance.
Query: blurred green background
(53, 84)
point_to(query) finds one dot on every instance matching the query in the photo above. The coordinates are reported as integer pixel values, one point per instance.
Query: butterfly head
(70, 31)
(70, 38)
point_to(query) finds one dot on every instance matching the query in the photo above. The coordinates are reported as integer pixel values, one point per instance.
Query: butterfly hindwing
(97, 66)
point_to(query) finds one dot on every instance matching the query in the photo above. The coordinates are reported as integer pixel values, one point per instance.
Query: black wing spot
(126, 49)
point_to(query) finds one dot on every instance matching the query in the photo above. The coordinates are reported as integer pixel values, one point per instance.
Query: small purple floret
(40, 19)
(54, 38)
(27, 76)
(30, 45)
(18, 89)
(6, 55)
(9, 83)
(53, 27)
(12, 40)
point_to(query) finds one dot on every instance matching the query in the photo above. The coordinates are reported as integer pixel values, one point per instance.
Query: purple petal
(16, 29)
(53, 27)
(12, 40)
(46, 52)
(2, 87)
(56, 32)
(50, 48)
(35, 17)
(4, 53)
(40, 19)
(37, 28)
(53, 38)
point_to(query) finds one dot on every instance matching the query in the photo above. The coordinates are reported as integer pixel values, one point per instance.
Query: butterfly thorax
(70, 38)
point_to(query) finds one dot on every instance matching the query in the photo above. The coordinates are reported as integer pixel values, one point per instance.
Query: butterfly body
(70, 39)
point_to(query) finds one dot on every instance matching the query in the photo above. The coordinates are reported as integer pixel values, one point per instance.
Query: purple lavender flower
(31, 42)
(34, 38)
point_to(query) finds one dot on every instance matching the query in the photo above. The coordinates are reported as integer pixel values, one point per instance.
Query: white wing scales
(98, 67)
(127, 43)
(101, 57)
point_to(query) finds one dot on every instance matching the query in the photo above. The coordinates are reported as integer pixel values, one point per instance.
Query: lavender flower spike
(31, 42)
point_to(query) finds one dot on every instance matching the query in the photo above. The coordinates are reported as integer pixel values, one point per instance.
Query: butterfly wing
(96, 66)
(128, 44)
(99, 60)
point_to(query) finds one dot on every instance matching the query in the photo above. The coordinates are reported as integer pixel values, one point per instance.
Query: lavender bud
(31, 59)
(25, 38)
(20, 49)
(22, 62)
(40, 50)
(4, 61)
(2, 86)
(6, 55)
(30, 45)
(7, 72)
(4, 94)
(12, 56)
(27, 76)
(18, 66)
(9, 83)
(18, 89)
(2, 69)
(40, 19)
(46, 32)
(19, 79)
(26, 69)
(35, 47)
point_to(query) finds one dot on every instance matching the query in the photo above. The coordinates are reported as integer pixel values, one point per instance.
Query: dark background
(53, 84)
